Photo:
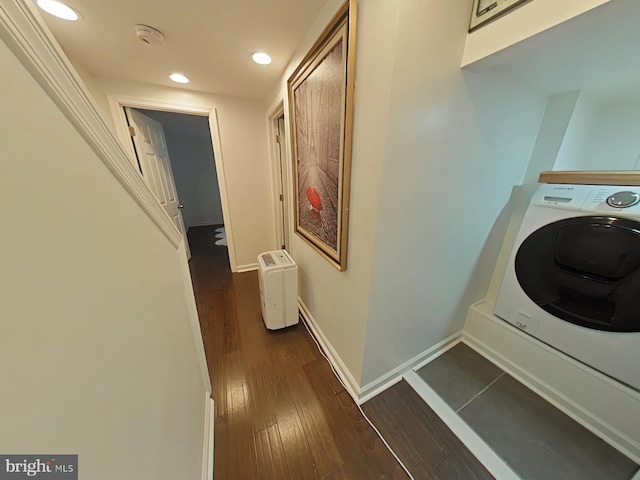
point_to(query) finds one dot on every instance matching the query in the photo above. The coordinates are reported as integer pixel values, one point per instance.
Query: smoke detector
(149, 35)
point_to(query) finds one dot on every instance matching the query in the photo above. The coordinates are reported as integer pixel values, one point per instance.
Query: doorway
(118, 104)
(192, 162)
(281, 175)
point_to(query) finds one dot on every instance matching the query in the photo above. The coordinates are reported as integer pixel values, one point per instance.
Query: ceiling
(209, 41)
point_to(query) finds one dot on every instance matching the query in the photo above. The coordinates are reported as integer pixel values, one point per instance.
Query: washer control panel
(566, 197)
(608, 199)
(624, 199)
(598, 199)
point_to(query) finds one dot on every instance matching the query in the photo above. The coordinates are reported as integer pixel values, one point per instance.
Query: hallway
(280, 411)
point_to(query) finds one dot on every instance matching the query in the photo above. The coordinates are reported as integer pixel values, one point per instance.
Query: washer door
(585, 270)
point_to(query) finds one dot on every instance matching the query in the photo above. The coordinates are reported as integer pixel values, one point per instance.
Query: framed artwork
(320, 93)
(485, 10)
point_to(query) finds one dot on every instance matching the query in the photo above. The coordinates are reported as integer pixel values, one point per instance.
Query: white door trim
(275, 151)
(33, 44)
(207, 444)
(117, 104)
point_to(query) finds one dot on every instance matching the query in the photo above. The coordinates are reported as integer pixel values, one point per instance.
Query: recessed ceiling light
(178, 78)
(58, 9)
(261, 58)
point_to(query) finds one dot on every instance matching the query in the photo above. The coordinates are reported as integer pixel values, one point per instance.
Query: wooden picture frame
(321, 95)
(486, 10)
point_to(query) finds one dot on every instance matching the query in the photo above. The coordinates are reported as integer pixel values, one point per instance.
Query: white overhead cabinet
(588, 48)
(521, 23)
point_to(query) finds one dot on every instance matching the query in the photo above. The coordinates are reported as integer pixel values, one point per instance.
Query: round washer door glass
(585, 270)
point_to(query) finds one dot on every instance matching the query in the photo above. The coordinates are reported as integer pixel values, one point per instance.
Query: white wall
(339, 301)
(551, 133)
(456, 144)
(423, 130)
(615, 143)
(576, 138)
(96, 352)
(608, 138)
(196, 179)
(245, 154)
(193, 165)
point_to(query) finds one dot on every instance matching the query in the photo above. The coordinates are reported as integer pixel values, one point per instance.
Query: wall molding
(343, 372)
(363, 394)
(206, 223)
(193, 317)
(249, 267)
(207, 444)
(218, 157)
(30, 40)
(489, 335)
(389, 379)
(380, 386)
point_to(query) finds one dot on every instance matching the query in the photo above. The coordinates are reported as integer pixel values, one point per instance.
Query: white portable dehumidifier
(278, 278)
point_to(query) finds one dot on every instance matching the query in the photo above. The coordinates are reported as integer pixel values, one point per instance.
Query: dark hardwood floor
(280, 411)
(422, 441)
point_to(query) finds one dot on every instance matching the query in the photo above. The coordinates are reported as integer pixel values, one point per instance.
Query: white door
(153, 157)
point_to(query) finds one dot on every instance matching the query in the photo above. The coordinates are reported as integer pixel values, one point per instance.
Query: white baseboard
(207, 446)
(389, 379)
(476, 445)
(247, 268)
(377, 389)
(366, 393)
(194, 318)
(206, 223)
(562, 381)
(343, 372)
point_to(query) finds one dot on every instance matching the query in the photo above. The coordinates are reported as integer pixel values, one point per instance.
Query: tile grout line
(478, 447)
(480, 392)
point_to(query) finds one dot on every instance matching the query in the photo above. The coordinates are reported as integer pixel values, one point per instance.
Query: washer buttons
(623, 199)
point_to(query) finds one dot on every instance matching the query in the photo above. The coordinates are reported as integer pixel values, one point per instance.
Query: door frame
(280, 174)
(117, 104)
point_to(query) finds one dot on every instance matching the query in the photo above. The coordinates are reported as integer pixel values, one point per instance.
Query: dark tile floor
(420, 438)
(536, 439)
(472, 374)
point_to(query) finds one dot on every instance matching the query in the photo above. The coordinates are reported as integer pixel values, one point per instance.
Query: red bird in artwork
(314, 198)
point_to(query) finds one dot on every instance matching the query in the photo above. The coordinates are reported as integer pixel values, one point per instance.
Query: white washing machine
(573, 278)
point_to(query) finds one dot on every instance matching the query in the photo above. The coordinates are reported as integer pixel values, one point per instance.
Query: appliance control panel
(598, 199)
(623, 199)
(567, 197)
(613, 200)
(275, 259)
